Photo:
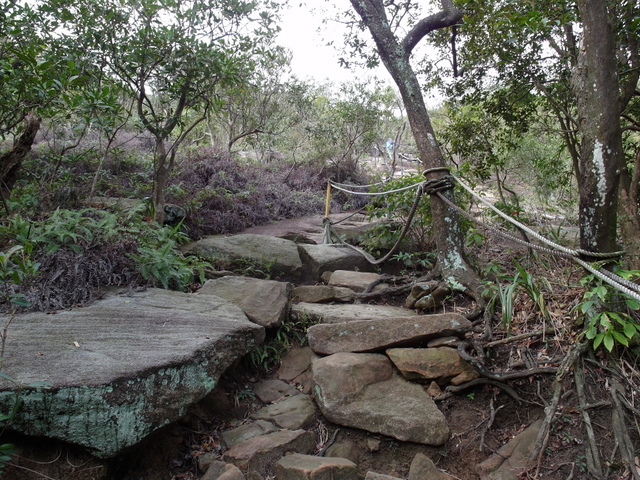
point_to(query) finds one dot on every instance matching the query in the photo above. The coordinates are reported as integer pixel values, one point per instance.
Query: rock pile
(129, 364)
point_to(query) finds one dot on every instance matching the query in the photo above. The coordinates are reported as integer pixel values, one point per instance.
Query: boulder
(261, 452)
(318, 259)
(277, 255)
(348, 313)
(360, 390)
(441, 365)
(122, 367)
(356, 281)
(263, 301)
(321, 293)
(311, 467)
(174, 214)
(377, 335)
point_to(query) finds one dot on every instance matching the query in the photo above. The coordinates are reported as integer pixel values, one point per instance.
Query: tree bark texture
(596, 88)
(395, 56)
(11, 161)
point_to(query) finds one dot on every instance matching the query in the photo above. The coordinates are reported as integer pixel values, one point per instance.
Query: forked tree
(395, 54)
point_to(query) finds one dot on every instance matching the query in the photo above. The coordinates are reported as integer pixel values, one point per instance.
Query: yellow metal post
(327, 203)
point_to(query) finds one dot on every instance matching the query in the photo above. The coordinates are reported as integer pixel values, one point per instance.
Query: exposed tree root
(500, 376)
(567, 364)
(621, 431)
(592, 454)
(453, 389)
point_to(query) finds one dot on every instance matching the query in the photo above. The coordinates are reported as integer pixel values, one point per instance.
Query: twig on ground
(486, 428)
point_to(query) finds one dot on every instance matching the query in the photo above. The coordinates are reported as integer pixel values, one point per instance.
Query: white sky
(311, 57)
(314, 60)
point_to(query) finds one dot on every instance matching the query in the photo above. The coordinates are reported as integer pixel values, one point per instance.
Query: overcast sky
(311, 57)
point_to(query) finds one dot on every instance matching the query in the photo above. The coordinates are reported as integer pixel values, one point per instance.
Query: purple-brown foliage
(223, 195)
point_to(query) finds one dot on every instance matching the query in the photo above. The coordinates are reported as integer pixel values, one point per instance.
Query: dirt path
(310, 226)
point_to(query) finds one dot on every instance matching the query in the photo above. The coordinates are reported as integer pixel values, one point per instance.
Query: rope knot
(431, 187)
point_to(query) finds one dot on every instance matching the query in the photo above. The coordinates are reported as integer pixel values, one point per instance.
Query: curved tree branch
(447, 17)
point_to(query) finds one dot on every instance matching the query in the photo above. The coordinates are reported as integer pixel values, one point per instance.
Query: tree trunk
(596, 88)
(629, 219)
(396, 58)
(11, 161)
(163, 164)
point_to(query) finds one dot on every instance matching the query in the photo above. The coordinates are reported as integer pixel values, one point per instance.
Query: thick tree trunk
(11, 161)
(596, 88)
(396, 58)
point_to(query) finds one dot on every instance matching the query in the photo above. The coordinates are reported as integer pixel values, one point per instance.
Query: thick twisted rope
(403, 234)
(437, 186)
(375, 194)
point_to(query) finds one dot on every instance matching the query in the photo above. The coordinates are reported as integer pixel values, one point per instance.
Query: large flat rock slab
(122, 367)
(377, 335)
(278, 255)
(349, 313)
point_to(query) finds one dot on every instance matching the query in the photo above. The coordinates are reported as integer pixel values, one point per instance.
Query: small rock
(426, 364)
(434, 390)
(295, 362)
(434, 299)
(270, 391)
(173, 214)
(356, 281)
(418, 291)
(380, 476)
(451, 342)
(373, 444)
(422, 468)
(247, 431)
(302, 467)
(223, 471)
(293, 413)
(259, 453)
(321, 294)
(344, 449)
(205, 460)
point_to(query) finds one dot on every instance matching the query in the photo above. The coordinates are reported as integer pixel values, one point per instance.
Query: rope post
(327, 203)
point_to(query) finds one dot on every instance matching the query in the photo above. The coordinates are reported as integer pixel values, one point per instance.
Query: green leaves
(604, 325)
